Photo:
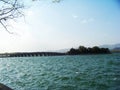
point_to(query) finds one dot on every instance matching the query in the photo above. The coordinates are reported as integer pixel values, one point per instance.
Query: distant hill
(62, 50)
(111, 47)
(117, 49)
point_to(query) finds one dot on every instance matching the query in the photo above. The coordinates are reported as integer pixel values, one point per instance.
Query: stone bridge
(31, 54)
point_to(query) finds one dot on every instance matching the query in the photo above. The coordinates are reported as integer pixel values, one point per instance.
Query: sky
(48, 26)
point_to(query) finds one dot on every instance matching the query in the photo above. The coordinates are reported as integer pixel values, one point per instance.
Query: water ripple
(93, 72)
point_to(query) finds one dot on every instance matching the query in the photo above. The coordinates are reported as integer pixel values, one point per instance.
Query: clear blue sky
(70, 23)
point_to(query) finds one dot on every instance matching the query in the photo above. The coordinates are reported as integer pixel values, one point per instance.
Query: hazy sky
(70, 23)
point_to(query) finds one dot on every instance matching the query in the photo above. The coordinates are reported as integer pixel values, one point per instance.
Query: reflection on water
(93, 72)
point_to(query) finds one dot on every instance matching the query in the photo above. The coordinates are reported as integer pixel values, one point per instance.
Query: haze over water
(82, 72)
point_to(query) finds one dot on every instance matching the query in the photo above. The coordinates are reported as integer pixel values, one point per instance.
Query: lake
(80, 72)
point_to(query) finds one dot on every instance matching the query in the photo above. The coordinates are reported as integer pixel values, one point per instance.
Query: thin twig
(12, 12)
(6, 28)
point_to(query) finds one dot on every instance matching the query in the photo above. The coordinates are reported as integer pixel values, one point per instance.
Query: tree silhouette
(96, 49)
(85, 50)
(82, 49)
(73, 51)
(9, 9)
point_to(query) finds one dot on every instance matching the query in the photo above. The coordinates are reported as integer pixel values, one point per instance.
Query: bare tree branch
(5, 27)
(9, 9)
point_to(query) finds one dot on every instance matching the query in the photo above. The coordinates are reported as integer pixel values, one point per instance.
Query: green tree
(73, 51)
(105, 50)
(96, 49)
(82, 49)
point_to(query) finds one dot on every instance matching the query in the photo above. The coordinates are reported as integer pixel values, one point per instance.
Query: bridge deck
(31, 54)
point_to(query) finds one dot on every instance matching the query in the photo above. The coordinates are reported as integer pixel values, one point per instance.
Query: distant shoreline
(80, 51)
(30, 54)
(40, 54)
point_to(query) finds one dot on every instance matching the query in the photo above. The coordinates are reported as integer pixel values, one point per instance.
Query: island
(88, 50)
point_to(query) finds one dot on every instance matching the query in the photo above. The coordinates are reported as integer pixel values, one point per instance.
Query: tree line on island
(72, 51)
(88, 50)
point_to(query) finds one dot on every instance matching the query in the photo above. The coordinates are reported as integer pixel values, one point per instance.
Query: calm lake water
(83, 72)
